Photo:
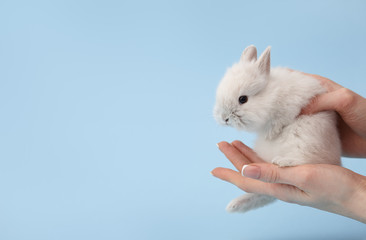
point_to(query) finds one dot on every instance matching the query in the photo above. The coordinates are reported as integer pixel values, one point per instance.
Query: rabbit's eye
(243, 99)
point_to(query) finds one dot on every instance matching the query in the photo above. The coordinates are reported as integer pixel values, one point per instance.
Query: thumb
(270, 173)
(320, 103)
(340, 100)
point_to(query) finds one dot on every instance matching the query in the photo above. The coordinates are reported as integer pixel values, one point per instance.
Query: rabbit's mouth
(242, 122)
(236, 121)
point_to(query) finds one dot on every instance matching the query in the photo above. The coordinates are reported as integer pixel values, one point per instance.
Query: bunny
(254, 97)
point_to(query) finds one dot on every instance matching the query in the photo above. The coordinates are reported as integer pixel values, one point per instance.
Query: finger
(247, 151)
(227, 175)
(246, 184)
(271, 173)
(328, 101)
(283, 192)
(233, 154)
(319, 103)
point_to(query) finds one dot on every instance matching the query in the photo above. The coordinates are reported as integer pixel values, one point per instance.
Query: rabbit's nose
(227, 120)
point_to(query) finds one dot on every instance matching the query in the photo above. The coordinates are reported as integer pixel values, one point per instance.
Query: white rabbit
(252, 96)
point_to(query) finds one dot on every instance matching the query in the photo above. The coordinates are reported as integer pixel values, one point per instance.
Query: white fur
(275, 99)
(248, 202)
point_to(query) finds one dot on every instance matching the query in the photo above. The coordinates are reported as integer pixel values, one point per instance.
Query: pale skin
(327, 187)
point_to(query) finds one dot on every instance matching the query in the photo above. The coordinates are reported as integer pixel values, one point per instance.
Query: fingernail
(252, 172)
(217, 145)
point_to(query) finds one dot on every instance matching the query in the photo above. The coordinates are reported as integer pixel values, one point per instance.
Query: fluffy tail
(248, 202)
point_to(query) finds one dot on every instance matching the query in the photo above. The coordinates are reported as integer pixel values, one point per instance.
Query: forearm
(355, 206)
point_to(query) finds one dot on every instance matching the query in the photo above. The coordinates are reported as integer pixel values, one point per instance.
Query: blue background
(106, 128)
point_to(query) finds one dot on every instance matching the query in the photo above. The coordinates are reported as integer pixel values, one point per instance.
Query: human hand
(327, 187)
(352, 109)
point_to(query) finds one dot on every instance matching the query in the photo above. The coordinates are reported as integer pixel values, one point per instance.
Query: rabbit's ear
(249, 54)
(264, 61)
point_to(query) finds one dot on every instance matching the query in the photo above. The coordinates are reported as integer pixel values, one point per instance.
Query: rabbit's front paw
(284, 161)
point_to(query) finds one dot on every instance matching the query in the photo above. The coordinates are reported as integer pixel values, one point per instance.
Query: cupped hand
(327, 187)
